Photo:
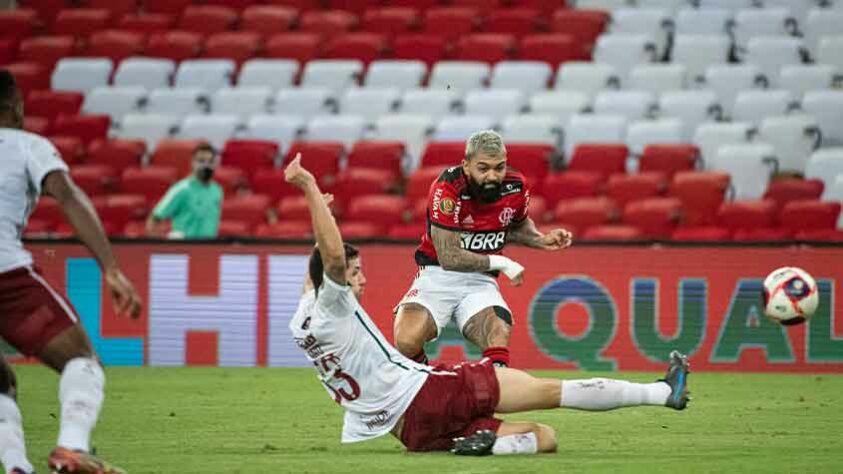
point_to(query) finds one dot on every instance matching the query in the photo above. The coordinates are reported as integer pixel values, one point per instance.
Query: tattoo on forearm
(451, 255)
(486, 329)
(526, 234)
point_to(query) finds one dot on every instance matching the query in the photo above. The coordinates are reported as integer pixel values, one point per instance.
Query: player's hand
(328, 198)
(557, 239)
(518, 280)
(123, 294)
(297, 175)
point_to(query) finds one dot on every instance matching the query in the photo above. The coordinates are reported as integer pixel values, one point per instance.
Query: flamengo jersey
(25, 159)
(360, 370)
(483, 227)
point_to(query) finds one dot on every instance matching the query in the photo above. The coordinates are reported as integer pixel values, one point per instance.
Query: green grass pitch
(197, 420)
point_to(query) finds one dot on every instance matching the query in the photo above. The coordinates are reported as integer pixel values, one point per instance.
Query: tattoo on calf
(486, 329)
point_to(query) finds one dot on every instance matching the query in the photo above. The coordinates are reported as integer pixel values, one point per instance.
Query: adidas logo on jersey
(468, 220)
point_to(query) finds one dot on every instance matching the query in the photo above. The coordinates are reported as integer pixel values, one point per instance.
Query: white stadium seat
(461, 76)
(827, 108)
(272, 73)
(826, 164)
(81, 74)
(207, 74)
(755, 22)
(334, 74)
(281, 129)
(433, 102)
(821, 22)
(749, 166)
(726, 80)
(797, 9)
(586, 77)
(771, 53)
(698, 52)
(496, 103)
(733, 5)
(693, 107)
(148, 127)
(396, 73)
(672, 6)
(216, 129)
(711, 135)
(532, 128)
(607, 5)
(336, 128)
(624, 51)
(413, 130)
(593, 128)
(116, 102)
(641, 133)
(457, 128)
(755, 105)
(242, 101)
(794, 138)
(305, 101)
(178, 102)
(830, 51)
(369, 102)
(710, 21)
(656, 78)
(528, 76)
(562, 104)
(801, 78)
(648, 21)
(150, 73)
(631, 104)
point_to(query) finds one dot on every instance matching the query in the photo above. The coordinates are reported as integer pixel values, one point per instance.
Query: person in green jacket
(192, 204)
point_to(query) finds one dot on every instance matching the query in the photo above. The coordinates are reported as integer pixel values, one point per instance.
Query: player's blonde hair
(488, 142)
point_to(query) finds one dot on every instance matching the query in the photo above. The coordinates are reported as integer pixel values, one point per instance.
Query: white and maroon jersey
(482, 226)
(25, 159)
(357, 366)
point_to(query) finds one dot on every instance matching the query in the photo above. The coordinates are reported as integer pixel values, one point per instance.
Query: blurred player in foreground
(432, 408)
(34, 318)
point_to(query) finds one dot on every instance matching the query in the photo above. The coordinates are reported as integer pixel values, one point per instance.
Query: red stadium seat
(71, 149)
(385, 156)
(118, 154)
(419, 184)
(571, 185)
(30, 76)
(625, 188)
(147, 23)
(805, 215)
(116, 8)
(300, 5)
(603, 159)
(93, 179)
(826, 235)
(175, 45)
(450, 22)
(764, 234)
(151, 182)
(85, 127)
(545, 7)
(616, 232)
(46, 50)
(538, 210)
(385, 211)
(120, 209)
(355, 182)
(552, 48)
(233, 4)
(532, 160)
(115, 45)
(430, 49)
(236, 228)
(249, 155)
(36, 125)
(268, 19)
(49, 211)
(656, 217)
(407, 231)
(321, 158)
(37, 228)
(586, 25)
(327, 22)
(270, 182)
(586, 212)
(8, 51)
(669, 159)
(230, 179)
(18, 24)
(390, 20)
(365, 47)
(170, 7)
(785, 190)
(53, 104)
(285, 230)
(485, 47)
(238, 46)
(207, 19)
(442, 154)
(701, 233)
(747, 215)
(295, 208)
(47, 9)
(515, 21)
(250, 209)
(175, 153)
(482, 5)
(80, 22)
(420, 5)
(361, 230)
(701, 194)
(299, 46)
(354, 6)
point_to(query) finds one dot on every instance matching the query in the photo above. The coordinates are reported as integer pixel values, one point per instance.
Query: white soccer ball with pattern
(790, 295)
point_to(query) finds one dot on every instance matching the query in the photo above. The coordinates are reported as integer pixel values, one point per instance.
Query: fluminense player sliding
(34, 318)
(473, 210)
(431, 408)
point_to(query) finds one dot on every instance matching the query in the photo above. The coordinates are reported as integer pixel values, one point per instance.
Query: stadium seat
(460, 76)
(267, 20)
(796, 9)
(655, 78)
(784, 190)
(334, 74)
(363, 47)
(771, 53)
(586, 77)
(383, 156)
(174, 45)
(625, 51)
(345, 129)
(699, 52)
(537, 208)
(80, 22)
(701, 194)
(390, 20)
(361, 230)
(177, 154)
(207, 74)
(327, 22)
(115, 45)
(592, 128)
(668, 159)
(703, 21)
(583, 23)
(279, 129)
(145, 72)
(116, 8)
(249, 155)
(384, 211)
(630, 104)
(827, 235)
(553, 49)
(531, 128)
(757, 22)
(727, 80)
(301, 5)
(215, 129)
(495, 103)
(801, 78)
(304, 101)
(747, 215)
(460, 127)
(450, 23)
(233, 228)
(749, 165)
(237, 46)
(151, 128)
(8, 50)
(431, 102)
(207, 19)
(485, 47)
(606, 5)
(411, 130)
(235, 4)
(146, 23)
(442, 154)
(119, 209)
(81, 75)
(177, 102)
(809, 214)
(755, 105)
(821, 23)
(46, 50)
(270, 182)
(420, 47)
(48, 211)
(18, 24)
(762, 234)
(321, 158)
(71, 149)
(172, 7)
(710, 136)
(403, 74)
(285, 230)
(85, 127)
(692, 107)
(526, 76)
(369, 103)
(586, 212)
(827, 108)
(272, 73)
(560, 104)
(116, 102)
(420, 182)
(151, 181)
(300, 46)
(531, 159)
(648, 21)
(116, 153)
(794, 138)
(622, 233)
(515, 21)
(36, 125)
(407, 231)
(826, 164)
(602, 159)
(656, 217)
(733, 5)
(241, 101)
(701, 234)
(249, 209)
(52, 104)
(648, 132)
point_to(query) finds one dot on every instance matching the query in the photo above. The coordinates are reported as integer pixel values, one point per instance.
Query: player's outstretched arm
(83, 218)
(325, 228)
(454, 258)
(528, 235)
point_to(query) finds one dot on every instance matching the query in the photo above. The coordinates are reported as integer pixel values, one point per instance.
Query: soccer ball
(790, 295)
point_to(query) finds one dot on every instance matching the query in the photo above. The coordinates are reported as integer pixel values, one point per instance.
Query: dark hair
(204, 147)
(8, 89)
(317, 269)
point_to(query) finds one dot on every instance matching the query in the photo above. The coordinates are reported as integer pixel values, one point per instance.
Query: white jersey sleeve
(42, 159)
(335, 299)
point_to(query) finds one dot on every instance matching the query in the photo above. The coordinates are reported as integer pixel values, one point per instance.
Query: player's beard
(487, 192)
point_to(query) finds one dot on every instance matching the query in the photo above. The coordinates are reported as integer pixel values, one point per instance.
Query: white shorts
(446, 294)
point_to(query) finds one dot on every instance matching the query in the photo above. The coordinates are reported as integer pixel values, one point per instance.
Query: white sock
(12, 447)
(606, 394)
(81, 396)
(525, 443)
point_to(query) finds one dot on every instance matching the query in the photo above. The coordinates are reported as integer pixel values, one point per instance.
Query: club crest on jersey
(483, 241)
(447, 206)
(506, 216)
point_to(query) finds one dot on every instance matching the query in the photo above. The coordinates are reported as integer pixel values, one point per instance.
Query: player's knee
(546, 437)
